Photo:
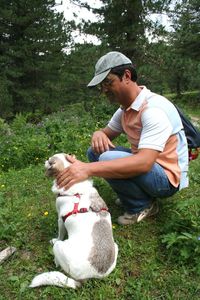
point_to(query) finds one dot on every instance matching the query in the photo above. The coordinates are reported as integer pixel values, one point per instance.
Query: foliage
(166, 69)
(42, 69)
(182, 57)
(181, 232)
(126, 25)
(32, 41)
(187, 28)
(125, 38)
(31, 138)
(5, 97)
(189, 101)
(160, 56)
(77, 71)
(23, 143)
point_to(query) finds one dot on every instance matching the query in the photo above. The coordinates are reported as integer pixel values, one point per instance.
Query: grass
(147, 268)
(144, 269)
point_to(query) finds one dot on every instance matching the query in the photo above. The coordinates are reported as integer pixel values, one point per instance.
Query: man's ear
(127, 75)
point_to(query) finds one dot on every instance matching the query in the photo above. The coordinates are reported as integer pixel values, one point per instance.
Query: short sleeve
(115, 121)
(156, 129)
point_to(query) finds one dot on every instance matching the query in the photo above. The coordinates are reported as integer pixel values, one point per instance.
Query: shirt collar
(139, 99)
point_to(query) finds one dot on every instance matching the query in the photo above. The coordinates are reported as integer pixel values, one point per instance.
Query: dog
(90, 250)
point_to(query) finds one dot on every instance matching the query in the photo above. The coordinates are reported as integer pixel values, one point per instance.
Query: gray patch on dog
(96, 202)
(102, 255)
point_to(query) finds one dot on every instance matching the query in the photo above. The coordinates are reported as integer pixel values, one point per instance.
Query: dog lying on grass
(90, 250)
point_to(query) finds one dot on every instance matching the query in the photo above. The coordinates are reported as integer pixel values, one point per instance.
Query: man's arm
(127, 167)
(120, 168)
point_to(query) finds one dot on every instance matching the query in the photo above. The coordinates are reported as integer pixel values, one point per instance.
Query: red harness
(76, 210)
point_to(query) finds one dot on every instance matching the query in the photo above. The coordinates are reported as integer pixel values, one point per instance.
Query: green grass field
(158, 258)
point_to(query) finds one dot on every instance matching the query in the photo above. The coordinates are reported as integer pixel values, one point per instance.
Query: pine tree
(121, 26)
(32, 39)
(186, 22)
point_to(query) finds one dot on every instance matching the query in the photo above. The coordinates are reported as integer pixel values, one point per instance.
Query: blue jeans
(136, 193)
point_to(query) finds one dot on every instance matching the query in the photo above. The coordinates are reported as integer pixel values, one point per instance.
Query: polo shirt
(153, 122)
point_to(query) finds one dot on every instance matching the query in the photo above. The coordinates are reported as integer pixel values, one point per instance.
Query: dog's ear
(51, 172)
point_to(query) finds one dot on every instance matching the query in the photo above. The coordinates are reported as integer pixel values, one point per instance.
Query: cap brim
(98, 78)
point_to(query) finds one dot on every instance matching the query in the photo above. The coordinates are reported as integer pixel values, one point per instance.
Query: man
(157, 163)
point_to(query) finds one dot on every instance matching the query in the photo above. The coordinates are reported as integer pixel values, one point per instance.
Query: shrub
(181, 228)
(23, 143)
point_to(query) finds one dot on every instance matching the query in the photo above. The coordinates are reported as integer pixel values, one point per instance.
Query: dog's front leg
(61, 229)
(61, 232)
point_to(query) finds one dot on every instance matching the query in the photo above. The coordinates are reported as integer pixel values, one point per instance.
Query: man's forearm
(126, 167)
(117, 168)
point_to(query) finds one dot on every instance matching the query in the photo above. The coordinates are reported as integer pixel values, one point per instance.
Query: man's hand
(100, 142)
(76, 172)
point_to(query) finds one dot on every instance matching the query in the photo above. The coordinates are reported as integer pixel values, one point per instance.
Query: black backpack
(192, 135)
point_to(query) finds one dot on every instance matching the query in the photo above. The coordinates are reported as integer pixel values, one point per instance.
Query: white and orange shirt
(153, 122)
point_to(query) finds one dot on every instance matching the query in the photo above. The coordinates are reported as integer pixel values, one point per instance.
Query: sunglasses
(106, 83)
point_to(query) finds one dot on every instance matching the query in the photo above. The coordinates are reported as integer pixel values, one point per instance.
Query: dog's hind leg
(57, 278)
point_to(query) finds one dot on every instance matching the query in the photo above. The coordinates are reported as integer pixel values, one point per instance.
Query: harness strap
(76, 210)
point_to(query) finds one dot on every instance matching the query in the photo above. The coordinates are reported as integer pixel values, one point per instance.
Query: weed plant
(158, 258)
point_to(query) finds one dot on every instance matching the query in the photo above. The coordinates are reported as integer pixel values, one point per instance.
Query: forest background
(46, 107)
(43, 69)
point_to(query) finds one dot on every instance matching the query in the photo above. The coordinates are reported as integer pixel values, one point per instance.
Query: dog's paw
(53, 241)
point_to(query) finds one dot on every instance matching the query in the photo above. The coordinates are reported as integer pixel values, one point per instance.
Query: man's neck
(132, 95)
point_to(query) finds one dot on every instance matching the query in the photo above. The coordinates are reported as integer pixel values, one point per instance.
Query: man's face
(112, 87)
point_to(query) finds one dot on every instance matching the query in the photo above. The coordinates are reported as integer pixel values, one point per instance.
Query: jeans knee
(91, 155)
(113, 154)
(108, 155)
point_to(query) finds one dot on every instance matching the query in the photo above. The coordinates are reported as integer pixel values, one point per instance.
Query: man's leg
(95, 157)
(137, 193)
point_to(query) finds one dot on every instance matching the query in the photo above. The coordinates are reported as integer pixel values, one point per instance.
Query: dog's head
(56, 164)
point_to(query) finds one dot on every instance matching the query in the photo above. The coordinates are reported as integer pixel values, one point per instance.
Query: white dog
(89, 251)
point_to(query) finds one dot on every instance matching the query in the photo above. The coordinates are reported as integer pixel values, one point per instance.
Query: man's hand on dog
(76, 172)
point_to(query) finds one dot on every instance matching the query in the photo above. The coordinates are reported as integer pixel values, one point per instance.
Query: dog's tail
(54, 278)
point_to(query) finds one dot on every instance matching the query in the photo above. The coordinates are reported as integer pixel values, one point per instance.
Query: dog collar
(76, 210)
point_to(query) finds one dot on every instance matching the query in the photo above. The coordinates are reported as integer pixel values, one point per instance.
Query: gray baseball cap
(105, 64)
